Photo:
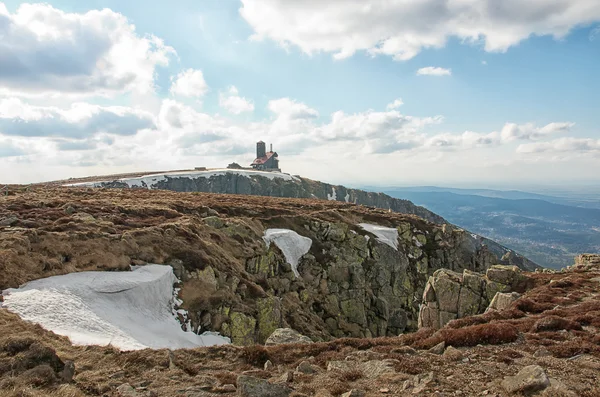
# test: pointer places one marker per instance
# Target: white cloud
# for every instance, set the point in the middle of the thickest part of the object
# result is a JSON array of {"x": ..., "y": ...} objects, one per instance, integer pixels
[
  {"x": 433, "y": 71},
  {"x": 402, "y": 29},
  {"x": 567, "y": 145},
  {"x": 512, "y": 132},
  {"x": 233, "y": 103},
  {"x": 466, "y": 140},
  {"x": 291, "y": 109},
  {"x": 395, "y": 105},
  {"x": 189, "y": 83},
  {"x": 45, "y": 51},
  {"x": 81, "y": 120},
  {"x": 484, "y": 63}
]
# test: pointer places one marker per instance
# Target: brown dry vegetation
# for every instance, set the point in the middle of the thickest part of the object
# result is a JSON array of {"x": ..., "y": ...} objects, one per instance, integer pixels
[{"x": 561, "y": 314}]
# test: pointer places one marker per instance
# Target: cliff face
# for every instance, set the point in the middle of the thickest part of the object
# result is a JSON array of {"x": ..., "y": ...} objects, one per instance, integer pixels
[
  {"x": 255, "y": 183},
  {"x": 362, "y": 274}
]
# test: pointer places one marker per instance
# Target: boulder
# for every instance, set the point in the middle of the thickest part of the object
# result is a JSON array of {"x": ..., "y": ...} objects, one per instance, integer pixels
[
  {"x": 438, "y": 349},
  {"x": 9, "y": 221},
  {"x": 248, "y": 386},
  {"x": 530, "y": 379},
  {"x": 285, "y": 336},
  {"x": 503, "y": 300}
]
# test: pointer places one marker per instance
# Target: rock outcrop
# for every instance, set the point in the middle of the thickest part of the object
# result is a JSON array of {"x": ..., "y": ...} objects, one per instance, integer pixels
[
  {"x": 449, "y": 295},
  {"x": 282, "y": 336},
  {"x": 284, "y": 185}
]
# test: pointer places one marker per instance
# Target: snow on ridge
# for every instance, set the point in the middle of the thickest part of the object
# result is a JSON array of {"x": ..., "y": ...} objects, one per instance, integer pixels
[
  {"x": 333, "y": 195},
  {"x": 150, "y": 181},
  {"x": 293, "y": 245},
  {"x": 129, "y": 310},
  {"x": 347, "y": 198},
  {"x": 385, "y": 235}
]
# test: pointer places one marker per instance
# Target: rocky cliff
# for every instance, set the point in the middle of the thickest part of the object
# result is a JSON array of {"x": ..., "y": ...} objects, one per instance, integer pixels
[
  {"x": 274, "y": 184},
  {"x": 362, "y": 272}
]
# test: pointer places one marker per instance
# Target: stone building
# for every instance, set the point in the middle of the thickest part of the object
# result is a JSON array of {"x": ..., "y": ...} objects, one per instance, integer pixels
[{"x": 265, "y": 161}]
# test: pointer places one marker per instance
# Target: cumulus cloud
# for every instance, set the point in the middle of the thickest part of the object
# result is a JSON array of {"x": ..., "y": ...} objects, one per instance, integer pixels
[
  {"x": 402, "y": 29},
  {"x": 79, "y": 121},
  {"x": 466, "y": 140},
  {"x": 291, "y": 109},
  {"x": 44, "y": 50},
  {"x": 512, "y": 132},
  {"x": 433, "y": 71},
  {"x": 567, "y": 145},
  {"x": 189, "y": 83},
  {"x": 233, "y": 103},
  {"x": 395, "y": 105}
]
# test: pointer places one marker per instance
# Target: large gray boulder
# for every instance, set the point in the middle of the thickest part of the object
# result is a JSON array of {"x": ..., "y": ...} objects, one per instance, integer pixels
[
  {"x": 248, "y": 386},
  {"x": 530, "y": 379},
  {"x": 285, "y": 336}
]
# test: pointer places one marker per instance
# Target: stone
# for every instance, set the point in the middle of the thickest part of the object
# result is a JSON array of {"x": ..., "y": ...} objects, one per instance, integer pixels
[
  {"x": 212, "y": 212},
  {"x": 339, "y": 366},
  {"x": 542, "y": 352},
  {"x": 447, "y": 289},
  {"x": 429, "y": 316},
  {"x": 429, "y": 293},
  {"x": 438, "y": 349},
  {"x": 83, "y": 217},
  {"x": 228, "y": 388},
  {"x": 469, "y": 303},
  {"x": 66, "y": 375},
  {"x": 126, "y": 390},
  {"x": 557, "y": 388},
  {"x": 354, "y": 310},
  {"x": 9, "y": 221},
  {"x": 214, "y": 221},
  {"x": 398, "y": 319},
  {"x": 306, "y": 368},
  {"x": 268, "y": 365},
  {"x": 286, "y": 335},
  {"x": 529, "y": 380},
  {"x": 507, "y": 275},
  {"x": 503, "y": 300},
  {"x": 248, "y": 386},
  {"x": 354, "y": 393},
  {"x": 375, "y": 368},
  {"x": 453, "y": 354}
]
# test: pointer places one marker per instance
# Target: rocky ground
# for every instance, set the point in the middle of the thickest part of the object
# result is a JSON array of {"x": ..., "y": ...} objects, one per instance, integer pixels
[{"x": 546, "y": 342}]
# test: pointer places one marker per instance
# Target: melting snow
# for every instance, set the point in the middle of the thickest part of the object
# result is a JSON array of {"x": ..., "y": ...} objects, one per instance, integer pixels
[
  {"x": 150, "y": 181},
  {"x": 333, "y": 195},
  {"x": 293, "y": 245},
  {"x": 129, "y": 310},
  {"x": 385, "y": 235}
]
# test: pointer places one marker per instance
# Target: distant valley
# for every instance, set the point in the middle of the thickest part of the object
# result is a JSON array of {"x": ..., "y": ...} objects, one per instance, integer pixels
[{"x": 547, "y": 229}]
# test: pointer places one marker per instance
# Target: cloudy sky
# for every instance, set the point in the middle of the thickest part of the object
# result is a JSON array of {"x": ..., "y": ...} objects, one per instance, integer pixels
[{"x": 400, "y": 92}]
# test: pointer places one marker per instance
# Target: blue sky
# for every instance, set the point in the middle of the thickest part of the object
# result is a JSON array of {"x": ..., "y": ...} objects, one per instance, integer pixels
[{"x": 515, "y": 99}]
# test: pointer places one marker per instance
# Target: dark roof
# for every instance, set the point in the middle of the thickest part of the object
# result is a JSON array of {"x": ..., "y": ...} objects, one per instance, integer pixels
[{"x": 262, "y": 160}]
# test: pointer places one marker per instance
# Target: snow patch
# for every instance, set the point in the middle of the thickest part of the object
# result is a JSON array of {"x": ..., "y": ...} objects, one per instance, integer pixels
[
  {"x": 293, "y": 245},
  {"x": 151, "y": 181},
  {"x": 347, "y": 198},
  {"x": 129, "y": 310},
  {"x": 333, "y": 195},
  {"x": 385, "y": 235}
]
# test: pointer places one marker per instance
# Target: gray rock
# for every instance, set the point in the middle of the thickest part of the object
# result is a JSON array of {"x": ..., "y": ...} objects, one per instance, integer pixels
[
  {"x": 354, "y": 393},
  {"x": 283, "y": 336},
  {"x": 68, "y": 371},
  {"x": 438, "y": 349},
  {"x": 248, "y": 386},
  {"x": 214, "y": 221},
  {"x": 306, "y": 368},
  {"x": 503, "y": 300},
  {"x": 529, "y": 380},
  {"x": 268, "y": 365},
  {"x": 9, "y": 221}
]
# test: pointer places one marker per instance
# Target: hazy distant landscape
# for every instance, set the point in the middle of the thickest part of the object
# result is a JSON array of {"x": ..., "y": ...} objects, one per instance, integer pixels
[{"x": 549, "y": 230}]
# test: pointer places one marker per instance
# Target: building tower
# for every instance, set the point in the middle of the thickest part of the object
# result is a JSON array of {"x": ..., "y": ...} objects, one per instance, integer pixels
[{"x": 261, "y": 149}]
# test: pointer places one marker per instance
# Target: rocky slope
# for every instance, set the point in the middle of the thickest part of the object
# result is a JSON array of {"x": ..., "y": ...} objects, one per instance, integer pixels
[
  {"x": 247, "y": 182},
  {"x": 353, "y": 281},
  {"x": 546, "y": 343}
]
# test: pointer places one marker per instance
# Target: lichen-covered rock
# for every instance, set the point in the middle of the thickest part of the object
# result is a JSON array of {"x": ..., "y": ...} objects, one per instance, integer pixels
[
  {"x": 248, "y": 386},
  {"x": 503, "y": 301},
  {"x": 286, "y": 335},
  {"x": 241, "y": 329},
  {"x": 450, "y": 295},
  {"x": 529, "y": 380}
]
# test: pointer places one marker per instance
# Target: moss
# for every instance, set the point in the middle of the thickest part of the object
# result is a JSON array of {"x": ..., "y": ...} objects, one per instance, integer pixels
[
  {"x": 269, "y": 317},
  {"x": 241, "y": 329}
]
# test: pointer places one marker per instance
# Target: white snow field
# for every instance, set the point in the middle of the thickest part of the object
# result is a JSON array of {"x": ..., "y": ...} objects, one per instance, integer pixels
[
  {"x": 385, "y": 235},
  {"x": 150, "y": 181},
  {"x": 129, "y": 310},
  {"x": 290, "y": 243}
]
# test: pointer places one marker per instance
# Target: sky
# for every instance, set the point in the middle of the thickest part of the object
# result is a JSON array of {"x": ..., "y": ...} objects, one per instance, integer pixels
[{"x": 399, "y": 92}]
